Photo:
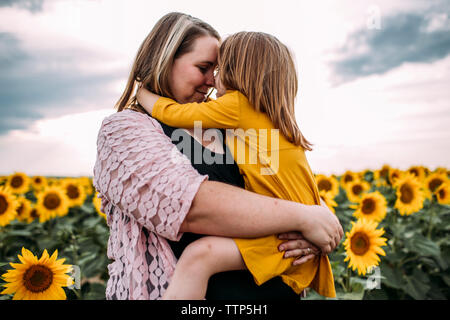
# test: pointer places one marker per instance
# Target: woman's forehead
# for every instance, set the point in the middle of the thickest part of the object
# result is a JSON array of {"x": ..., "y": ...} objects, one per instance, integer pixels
[{"x": 205, "y": 50}]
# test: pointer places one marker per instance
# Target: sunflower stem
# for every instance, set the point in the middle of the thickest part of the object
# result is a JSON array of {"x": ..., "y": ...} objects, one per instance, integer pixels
[
  {"x": 77, "y": 293},
  {"x": 430, "y": 221},
  {"x": 347, "y": 282}
]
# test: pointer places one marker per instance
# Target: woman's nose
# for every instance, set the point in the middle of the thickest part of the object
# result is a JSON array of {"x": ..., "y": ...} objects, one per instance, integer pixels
[{"x": 210, "y": 79}]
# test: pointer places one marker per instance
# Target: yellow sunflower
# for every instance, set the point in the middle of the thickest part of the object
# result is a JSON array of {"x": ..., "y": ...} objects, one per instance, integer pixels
[
  {"x": 327, "y": 184},
  {"x": 356, "y": 189},
  {"x": 409, "y": 194},
  {"x": 86, "y": 182},
  {"x": 35, "y": 279},
  {"x": 394, "y": 174},
  {"x": 329, "y": 200},
  {"x": 18, "y": 182},
  {"x": 74, "y": 191},
  {"x": 362, "y": 174},
  {"x": 418, "y": 172},
  {"x": 372, "y": 206},
  {"x": 53, "y": 181},
  {"x": 432, "y": 183},
  {"x": 38, "y": 182},
  {"x": 8, "y": 206},
  {"x": 363, "y": 245},
  {"x": 383, "y": 173},
  {"x": 23, "y": 209},
  {"x": 34, "y": 214},
  {"x": 52, "y": 202},
  {"x": 443, "y": 193},
  {"x": 440, "y": 170},
  {"x": 348, "y": 177},
  {"x": 98, "y": 204}
]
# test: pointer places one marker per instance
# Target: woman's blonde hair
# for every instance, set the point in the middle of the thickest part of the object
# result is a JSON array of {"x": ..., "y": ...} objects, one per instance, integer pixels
[
  {"x": 261, "y": 67},
  {"x": 172, "y": 36}
]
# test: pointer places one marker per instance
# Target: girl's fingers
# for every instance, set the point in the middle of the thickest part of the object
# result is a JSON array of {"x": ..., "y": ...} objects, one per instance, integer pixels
[
  {"x": 294, "y": 244},
  {"x": 295, "y": 253},
  {"x": 303, "y": 259}
]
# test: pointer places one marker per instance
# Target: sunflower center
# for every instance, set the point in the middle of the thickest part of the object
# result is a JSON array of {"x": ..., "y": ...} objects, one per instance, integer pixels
[
  {"x": 384, "y": 173},
  {"x": 16, "y": 182},
  {"x": 441, "y": 194},
  {"x": 38, "y": 278},
  {"x": 434, "y": 184},
  {"x": 73, "y": 192},
  {"x": 348, "y": 178},
  {"x": 360, "y": 243},
  {"x": 414, "y": 172},
  {"x": 37, "y": 180},
  {"x": 52, "y": 201},
  {"x": 20, "y": 209},
  {"x": 34, "y": 213},
  {"x": 357, "y": 189},
  {"x": 3, "y": 204},
  {"x": 407, "y": 195},
  {"x": 324, "y": 185},
  {"x": 394, "y": 176},
  {"x": 368, "y": 206}
]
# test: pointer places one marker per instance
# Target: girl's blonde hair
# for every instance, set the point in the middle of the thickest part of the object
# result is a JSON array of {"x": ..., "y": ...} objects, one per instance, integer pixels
[
  {"x": 261, "y": 67},
  {"x": 172, "y": 36}
]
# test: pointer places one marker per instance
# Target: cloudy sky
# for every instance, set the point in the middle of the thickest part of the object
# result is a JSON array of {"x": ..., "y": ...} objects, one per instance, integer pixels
[{"x": 374, "y": 76}]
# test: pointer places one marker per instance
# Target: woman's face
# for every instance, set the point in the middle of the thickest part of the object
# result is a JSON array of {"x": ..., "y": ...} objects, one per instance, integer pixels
[{"x": 193, "y": 73}]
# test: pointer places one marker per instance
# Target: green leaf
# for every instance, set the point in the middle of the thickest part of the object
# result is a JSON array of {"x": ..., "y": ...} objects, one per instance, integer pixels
[
  {"x": 351, "y": 296},
  {"x": 423, "y": 246},
  {"x": 416, "y": 289},
  {"x": 91, "y": 222},
  {"x": 376, "y": 294},
  {"x": 392, "y": 277},
  {"x": 96, "y": 291},
  {"x": 20, "y": 233},
  {"x": 446, "y": 279}
]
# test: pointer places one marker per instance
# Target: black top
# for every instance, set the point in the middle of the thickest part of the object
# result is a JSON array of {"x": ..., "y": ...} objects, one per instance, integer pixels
[{"x": 221, "y": 167}]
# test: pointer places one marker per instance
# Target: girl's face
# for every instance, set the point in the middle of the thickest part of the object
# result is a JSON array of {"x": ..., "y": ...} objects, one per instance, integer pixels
[{"x": 192, "y": 74}]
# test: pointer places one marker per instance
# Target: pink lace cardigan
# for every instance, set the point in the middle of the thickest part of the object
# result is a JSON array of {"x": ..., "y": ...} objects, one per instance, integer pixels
[{"x": 147, "y": 187}]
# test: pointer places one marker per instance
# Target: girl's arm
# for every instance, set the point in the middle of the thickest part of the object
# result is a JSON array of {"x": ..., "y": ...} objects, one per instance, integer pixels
[
  {"x": 220, "y": 113},
  {"x": 223, "y": 210}
]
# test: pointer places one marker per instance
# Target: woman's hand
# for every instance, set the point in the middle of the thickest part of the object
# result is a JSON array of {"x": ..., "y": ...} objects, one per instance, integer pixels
[
  {"x": 146, "y": 99},
  {"x": 297, "y": 246},
  {"x": 321, "y": 227}
]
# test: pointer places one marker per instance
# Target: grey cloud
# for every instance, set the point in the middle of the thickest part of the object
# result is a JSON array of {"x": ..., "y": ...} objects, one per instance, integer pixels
[
  {"x": 402, "y": 38},
  {"x": 34, "y": 84},
  {"x": 30, "y": 5}
]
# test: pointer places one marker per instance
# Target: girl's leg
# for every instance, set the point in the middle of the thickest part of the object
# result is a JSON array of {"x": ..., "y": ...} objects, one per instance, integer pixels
[{"x": 198, "y": 262}]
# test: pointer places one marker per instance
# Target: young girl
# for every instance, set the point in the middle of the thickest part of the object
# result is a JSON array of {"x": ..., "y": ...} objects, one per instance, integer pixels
[{"x": 256, "y": 88}]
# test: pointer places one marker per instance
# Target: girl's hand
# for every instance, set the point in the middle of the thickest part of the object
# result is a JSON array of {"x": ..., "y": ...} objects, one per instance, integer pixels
[{"x": 297, "y": 246}]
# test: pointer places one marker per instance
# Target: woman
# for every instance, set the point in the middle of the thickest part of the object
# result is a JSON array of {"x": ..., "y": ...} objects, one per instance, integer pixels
[{"x": 152, "y": 194}]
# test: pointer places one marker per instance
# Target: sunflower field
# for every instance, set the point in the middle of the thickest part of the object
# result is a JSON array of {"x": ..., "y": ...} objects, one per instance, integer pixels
[{"x": 396, "y": 243}]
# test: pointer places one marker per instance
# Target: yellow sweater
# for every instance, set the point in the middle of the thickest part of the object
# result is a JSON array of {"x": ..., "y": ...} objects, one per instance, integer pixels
[{"x": 271, "y": 166}]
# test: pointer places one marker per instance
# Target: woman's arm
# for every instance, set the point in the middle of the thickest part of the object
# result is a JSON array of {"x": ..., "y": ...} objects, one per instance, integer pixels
[{"x": 223, "y": 210}]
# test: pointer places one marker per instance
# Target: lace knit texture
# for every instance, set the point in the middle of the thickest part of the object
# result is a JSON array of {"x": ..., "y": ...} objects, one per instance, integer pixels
[{"x": 147, "y": 187}]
